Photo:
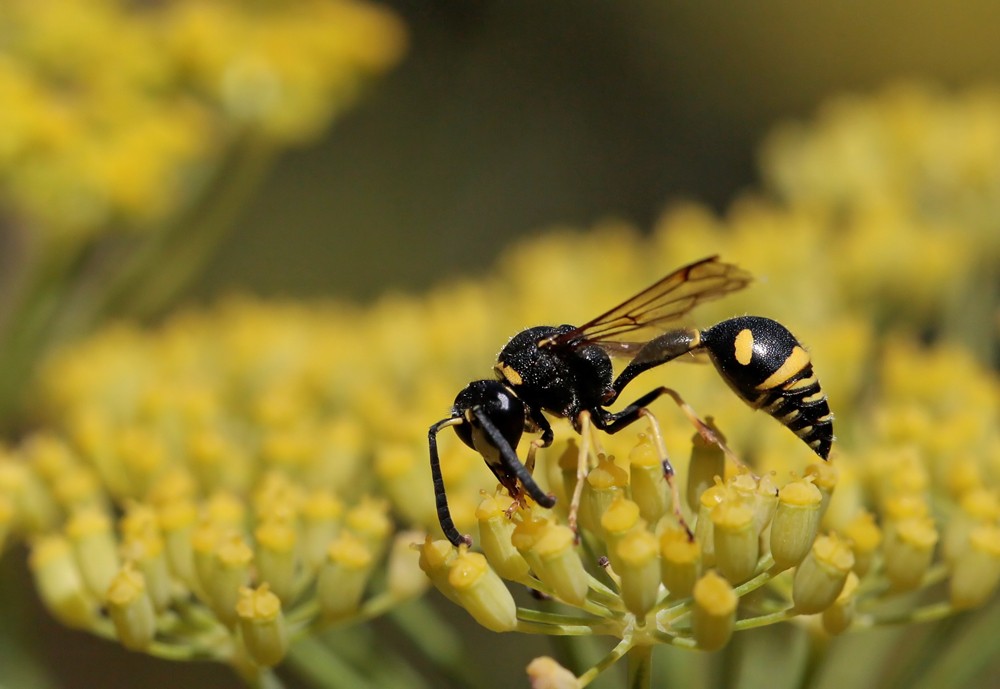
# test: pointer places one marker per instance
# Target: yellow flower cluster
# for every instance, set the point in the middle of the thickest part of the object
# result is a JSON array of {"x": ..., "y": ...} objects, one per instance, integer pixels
[
  {"x": 858, "y": 531},
  {"x": 247, "y": 413},
  {"x": 114, "y": 110},
  {"x": 914, "y": 161},
  {"x": 204, "y": 490}
]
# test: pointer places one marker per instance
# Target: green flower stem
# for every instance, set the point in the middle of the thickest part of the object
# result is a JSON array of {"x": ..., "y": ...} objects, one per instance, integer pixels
[
  {"x": 673, "y": 640},
  {"x": 640, "y": 667},
  {"x": 607, "y": 661},
  {"x": 766, "y": 571},
  {"x": 764, "y": 620},
  {"x": 313, "y": 661},
  {"x": 265, "y": 679},
  {"x": 590, "y": 605},
  {"x": 543, "y": 617},
  {"x": 529, "y": 627},
  {"x": 152, "y": 273},
  {"x": 435, "y": 639},
  {"x": 25, "y": 334},
  {"x": 926, "y": 613},
  {"x": 971, "y": 649}
]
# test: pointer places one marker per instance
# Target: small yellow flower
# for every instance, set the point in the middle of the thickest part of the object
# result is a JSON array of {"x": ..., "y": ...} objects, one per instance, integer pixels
[
  {"x": 131, "y": 609},
  {"x": 262, "y": 625},
  {"x": 714, "y": 612}
]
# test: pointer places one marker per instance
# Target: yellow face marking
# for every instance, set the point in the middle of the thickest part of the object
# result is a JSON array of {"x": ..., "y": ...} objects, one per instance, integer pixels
[
  {"x": 743, "y": 346},
  {"x": 795, "y": 362},
  {"x": 508, "y": 374}
]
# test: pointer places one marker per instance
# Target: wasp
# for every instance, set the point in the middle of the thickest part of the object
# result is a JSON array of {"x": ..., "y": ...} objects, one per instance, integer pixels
[{"x": 566, "y": 371}]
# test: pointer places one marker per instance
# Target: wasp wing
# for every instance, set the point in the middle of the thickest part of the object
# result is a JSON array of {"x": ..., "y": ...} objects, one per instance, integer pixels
[{"x": 659, "y": 304}]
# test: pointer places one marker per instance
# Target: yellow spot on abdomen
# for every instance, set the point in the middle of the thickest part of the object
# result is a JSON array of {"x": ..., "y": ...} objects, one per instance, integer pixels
[
  {"x": 795, "y": 362},
  {"x": 743, "y": 346}
]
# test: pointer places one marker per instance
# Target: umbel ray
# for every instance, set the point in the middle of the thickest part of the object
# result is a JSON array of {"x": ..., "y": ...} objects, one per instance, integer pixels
[{"x": 566, "y": 371}]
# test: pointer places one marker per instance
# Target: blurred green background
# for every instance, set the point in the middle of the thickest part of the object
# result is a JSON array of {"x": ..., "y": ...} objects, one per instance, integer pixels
[
  {"x": 512, "y": 116},
  {"x": 509, "y": 117}
]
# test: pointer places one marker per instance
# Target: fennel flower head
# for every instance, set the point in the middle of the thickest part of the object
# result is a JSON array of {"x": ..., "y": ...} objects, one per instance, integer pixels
[
  {"x": 224, "y": 427},
  {"x": 201, "y": 496},
  {"x": 894, "y": 294},
  {"x": 118, "y": 114}
]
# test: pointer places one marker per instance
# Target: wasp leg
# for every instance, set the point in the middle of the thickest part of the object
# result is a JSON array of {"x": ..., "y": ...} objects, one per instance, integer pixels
[
  {"x": 510, "y": 463},
  {"x": 538, "y": 418},
  {"x": 584, "y": 420},
  {"x": 440, "y": 497},
  {"x": 668, "y": 470},
  {"x": 614, "y": 422},
  {"x": 543, "y": 425}
]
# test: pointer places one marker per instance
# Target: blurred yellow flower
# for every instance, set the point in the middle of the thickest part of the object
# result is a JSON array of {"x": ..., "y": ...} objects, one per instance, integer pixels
[{"x": 116, "y": 113}]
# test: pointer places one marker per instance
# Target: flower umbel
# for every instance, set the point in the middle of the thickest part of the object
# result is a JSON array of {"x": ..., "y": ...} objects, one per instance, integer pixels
[
  {"x": 206, "y": 497},
  {"x": 212, "y": 473}
]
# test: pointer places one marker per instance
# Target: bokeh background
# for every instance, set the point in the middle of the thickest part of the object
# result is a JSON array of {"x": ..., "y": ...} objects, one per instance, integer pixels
[
  {"x": 509, "y": 117},
  {"x": 506, "y": 118}
]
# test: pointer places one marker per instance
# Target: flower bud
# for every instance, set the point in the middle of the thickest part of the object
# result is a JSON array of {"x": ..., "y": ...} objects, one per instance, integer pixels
[
  {"x": 370, "y": 520},
  {"x": 177, "y": 521},
  {"x": 603, "y": 484},
  {"x": 908, "y": 551},
  {"x": 735, "y": 538},
  {"x": 795, "y": 523},
  {"x": 619, "y": 520},
  {"x": 550, "y": 551},
  {"x": 131, "y": 609},
  {"x": 714, "y": 614},
  {"x": 704, "y": 530},
  {"x": 262, "y": 625},
  {"x": 95, "y": 548},
  {"x": 647, "y": 485},
  {"x": 276, "y": 555},
  {"x": 144, "y": 549},
  {"x": 708, "y": 462},
  {"x": 321, "y": 513},
  {"x": 342, "y": 580},
  {"x": 435, "y": 556},
  {"x": 33, "y": 508},
  {"x": 403, "y": 575},
  {"x": 495, "y": 531},
  {"x": 639, "y": 568},
  {"x": 60, "y": 584},
  {"x": 680, "y": 562},
  {"x": 481, "y": 592},
  {"x": 824, "y": 476},
  {"x": 820, "y": 577},
  {"x": 546, "y": 673},
  {"x": 232, "y": 558},
  {"x": 865, "y": 538},
  {"x": 839, "y": 616},
  {"x": 976, "y": 571},
  {"x": 765, "y": 502},
  {"x": 978, "y": 506}
]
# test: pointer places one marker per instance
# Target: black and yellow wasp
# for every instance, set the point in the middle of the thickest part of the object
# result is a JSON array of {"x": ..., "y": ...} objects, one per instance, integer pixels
[{"x": 566, "y": 371}]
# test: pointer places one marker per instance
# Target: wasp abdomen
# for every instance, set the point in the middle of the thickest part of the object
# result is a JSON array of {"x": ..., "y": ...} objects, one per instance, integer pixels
[{"x": 769, "y": 369}]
